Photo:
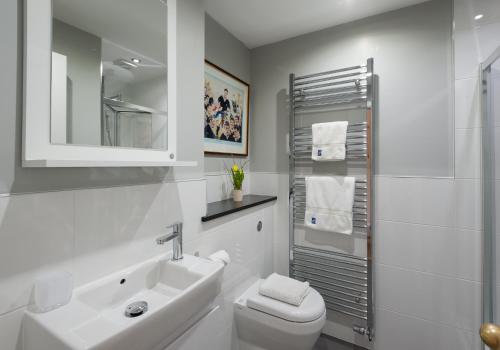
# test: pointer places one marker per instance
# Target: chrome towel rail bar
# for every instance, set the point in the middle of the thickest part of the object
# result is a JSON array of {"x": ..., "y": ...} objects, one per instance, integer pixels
[
  {"x": 344, "y": 280},
  {"x": 334, "y": 91},
  {"x": 356, "y": 82},
  {"x": 345, "y": 294},
  {"x": 360, "y": 75},
  {"x": 329, "y": 72}
]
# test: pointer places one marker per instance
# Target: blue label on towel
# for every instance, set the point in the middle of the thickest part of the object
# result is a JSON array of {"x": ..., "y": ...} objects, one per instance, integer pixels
[
  {"x": 313, "y": 221},
  {"x": 319, "y": 153}
]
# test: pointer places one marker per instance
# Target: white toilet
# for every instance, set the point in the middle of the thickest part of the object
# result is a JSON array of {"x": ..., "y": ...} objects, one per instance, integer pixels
[{"x": 266, "y": 324}]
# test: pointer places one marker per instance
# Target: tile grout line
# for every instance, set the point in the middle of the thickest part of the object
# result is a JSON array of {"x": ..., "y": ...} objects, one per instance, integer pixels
[
  {"x": 433, "y": 274},
  {"x": 425, "y": 320}
]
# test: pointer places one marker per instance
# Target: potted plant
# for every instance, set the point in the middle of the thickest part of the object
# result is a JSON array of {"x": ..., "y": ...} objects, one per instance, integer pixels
[{"x": 237, "y": 175}]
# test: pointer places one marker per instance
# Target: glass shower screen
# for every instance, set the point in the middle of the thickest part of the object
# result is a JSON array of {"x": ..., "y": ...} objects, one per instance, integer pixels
[{"x": 490, "y": 107}]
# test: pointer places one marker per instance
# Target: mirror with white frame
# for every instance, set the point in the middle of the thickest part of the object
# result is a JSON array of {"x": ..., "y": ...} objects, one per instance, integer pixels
[
  {"x": 109, "y": 73},
  {"x": 100, "y": 83}
]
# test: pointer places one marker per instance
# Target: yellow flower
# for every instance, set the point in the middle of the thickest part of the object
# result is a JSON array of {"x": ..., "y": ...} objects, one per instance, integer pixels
[{"x": 235, "y": 168}]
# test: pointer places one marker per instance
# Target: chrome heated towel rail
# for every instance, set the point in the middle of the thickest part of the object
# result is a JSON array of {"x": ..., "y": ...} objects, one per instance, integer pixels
[{"x": 343, "y": 279}]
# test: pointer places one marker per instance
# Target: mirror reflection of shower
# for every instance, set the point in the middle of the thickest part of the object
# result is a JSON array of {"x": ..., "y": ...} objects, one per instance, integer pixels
[
  {"x": 128, "y": 86},
  {"x": 109, "y": 84},
  {"x": 129, "y": 125}
]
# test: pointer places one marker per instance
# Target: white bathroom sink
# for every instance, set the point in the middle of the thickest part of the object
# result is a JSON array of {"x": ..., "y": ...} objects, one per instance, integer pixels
[{"x": 176, "y": 293}]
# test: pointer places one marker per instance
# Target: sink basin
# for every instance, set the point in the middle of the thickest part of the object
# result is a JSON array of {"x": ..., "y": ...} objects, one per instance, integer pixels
[{"x": 176, "y": 293}]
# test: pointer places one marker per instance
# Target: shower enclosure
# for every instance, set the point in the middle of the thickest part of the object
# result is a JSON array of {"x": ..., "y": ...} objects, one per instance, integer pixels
[
  {"x": 127, "y": 125},
  {"x": 490, "y": 108}
]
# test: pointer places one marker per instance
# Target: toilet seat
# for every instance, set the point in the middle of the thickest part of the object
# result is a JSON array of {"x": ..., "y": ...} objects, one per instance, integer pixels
[
  {"x": 263, "y": 323},
  {"x": 311, "y": 308}
]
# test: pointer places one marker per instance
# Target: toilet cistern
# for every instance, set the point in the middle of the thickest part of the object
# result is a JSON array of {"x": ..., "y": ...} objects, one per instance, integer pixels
[{"x": 175, "y": 237}]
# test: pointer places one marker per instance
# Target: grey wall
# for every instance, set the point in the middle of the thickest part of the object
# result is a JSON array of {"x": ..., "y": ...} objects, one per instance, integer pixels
[
  {"x": 83, "y": 52},
  {"x": 227, "y": 52},
  {"x": 412, "y": 52},
  {"x": 15, "y": 179}
]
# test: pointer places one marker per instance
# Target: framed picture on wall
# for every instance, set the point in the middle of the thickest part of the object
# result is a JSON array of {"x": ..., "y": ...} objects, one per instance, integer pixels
[{"x": 226, "y": 112}]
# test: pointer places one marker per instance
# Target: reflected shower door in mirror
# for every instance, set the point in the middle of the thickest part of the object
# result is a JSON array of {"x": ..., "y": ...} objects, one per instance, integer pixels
[{"x": 109, "y": 73}]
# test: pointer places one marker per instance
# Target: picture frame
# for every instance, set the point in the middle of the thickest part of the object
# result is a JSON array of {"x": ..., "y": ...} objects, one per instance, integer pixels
[{"x": 226, "y": 116}]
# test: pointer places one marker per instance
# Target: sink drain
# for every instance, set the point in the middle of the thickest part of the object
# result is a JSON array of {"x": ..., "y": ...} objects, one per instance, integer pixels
[{"x": 136, "y": 309}]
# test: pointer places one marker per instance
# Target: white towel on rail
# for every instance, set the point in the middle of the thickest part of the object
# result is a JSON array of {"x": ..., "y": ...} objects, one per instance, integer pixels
[
  {"x": 284, "y": 289},
  {"x": 329, "y": 141},
  {"x": 329, "y": 203}
]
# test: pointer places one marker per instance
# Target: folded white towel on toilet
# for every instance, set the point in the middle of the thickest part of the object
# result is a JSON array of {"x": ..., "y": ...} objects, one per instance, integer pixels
[
  {"x": 284, "y": 289},
  {"x": 329, "y": 203},
  {"x": 328, "y": 141}
]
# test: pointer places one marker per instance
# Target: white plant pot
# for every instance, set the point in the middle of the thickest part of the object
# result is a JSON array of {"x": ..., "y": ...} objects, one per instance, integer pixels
[{"x": 237, "y": 195}]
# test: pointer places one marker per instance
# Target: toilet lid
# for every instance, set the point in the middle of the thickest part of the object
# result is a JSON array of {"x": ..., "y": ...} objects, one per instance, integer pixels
[{"x": 311, "y": 308}]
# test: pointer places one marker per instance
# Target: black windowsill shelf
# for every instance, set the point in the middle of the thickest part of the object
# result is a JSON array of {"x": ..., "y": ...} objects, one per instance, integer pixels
[{"x": 228, "y": 206}]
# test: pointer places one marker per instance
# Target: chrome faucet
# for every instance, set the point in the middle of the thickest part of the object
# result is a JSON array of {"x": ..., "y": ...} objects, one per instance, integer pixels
[{"x": 175, "y": 237}]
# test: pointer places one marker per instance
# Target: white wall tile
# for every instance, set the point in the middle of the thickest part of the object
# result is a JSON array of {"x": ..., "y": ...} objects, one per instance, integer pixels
[
  {"x": 415, "y": 200},
  {"x": 398, "y": 332},
  {"x": 436, "y": 249},
  {"x": 467, "y": 53},
  {"x": 281, "y": 228},
  {"x": 451, "y": 301},
  {"x": 36, "y": 232},
  {"x": 429, "y": 201},
  {"x": 276, "y": 184},
  {"x": 467, "y": 98},
  {"x": 117, "y": 227},
  {"x": 266, "y": 183},
  {"x": 237, "y": 234},
  {"x": 219, "y": 186},
  {"x": 468, "y": 204},
  {"x": 188, "y": 196},
  {"x": 468, "y": 153}
]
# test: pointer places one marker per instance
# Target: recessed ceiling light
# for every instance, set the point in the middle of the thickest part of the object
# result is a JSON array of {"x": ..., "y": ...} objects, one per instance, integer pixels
[
  {"x": 478, "y": 17},
  {"x": 136, "y": 60}
]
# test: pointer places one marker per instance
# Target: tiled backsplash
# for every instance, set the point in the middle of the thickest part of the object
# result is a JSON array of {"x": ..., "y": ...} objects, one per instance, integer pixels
[{"x": 97, "y": 231}]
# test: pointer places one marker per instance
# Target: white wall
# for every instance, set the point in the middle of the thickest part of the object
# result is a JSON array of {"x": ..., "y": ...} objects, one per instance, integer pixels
[
  {"x": 15, "y": 179},
  {"x": 427, "y": 234},
  {"x": 93, "y": 232},
  {"x": 427, "y": 229},
  {"x": 88, "y": 222},
  {"x": 475, "y": 41},
  {"x": 412, "y": 51}
]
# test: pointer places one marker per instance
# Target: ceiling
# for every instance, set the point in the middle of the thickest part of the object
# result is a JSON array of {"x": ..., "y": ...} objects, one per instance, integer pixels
[{"x": 261, "y": 22}]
